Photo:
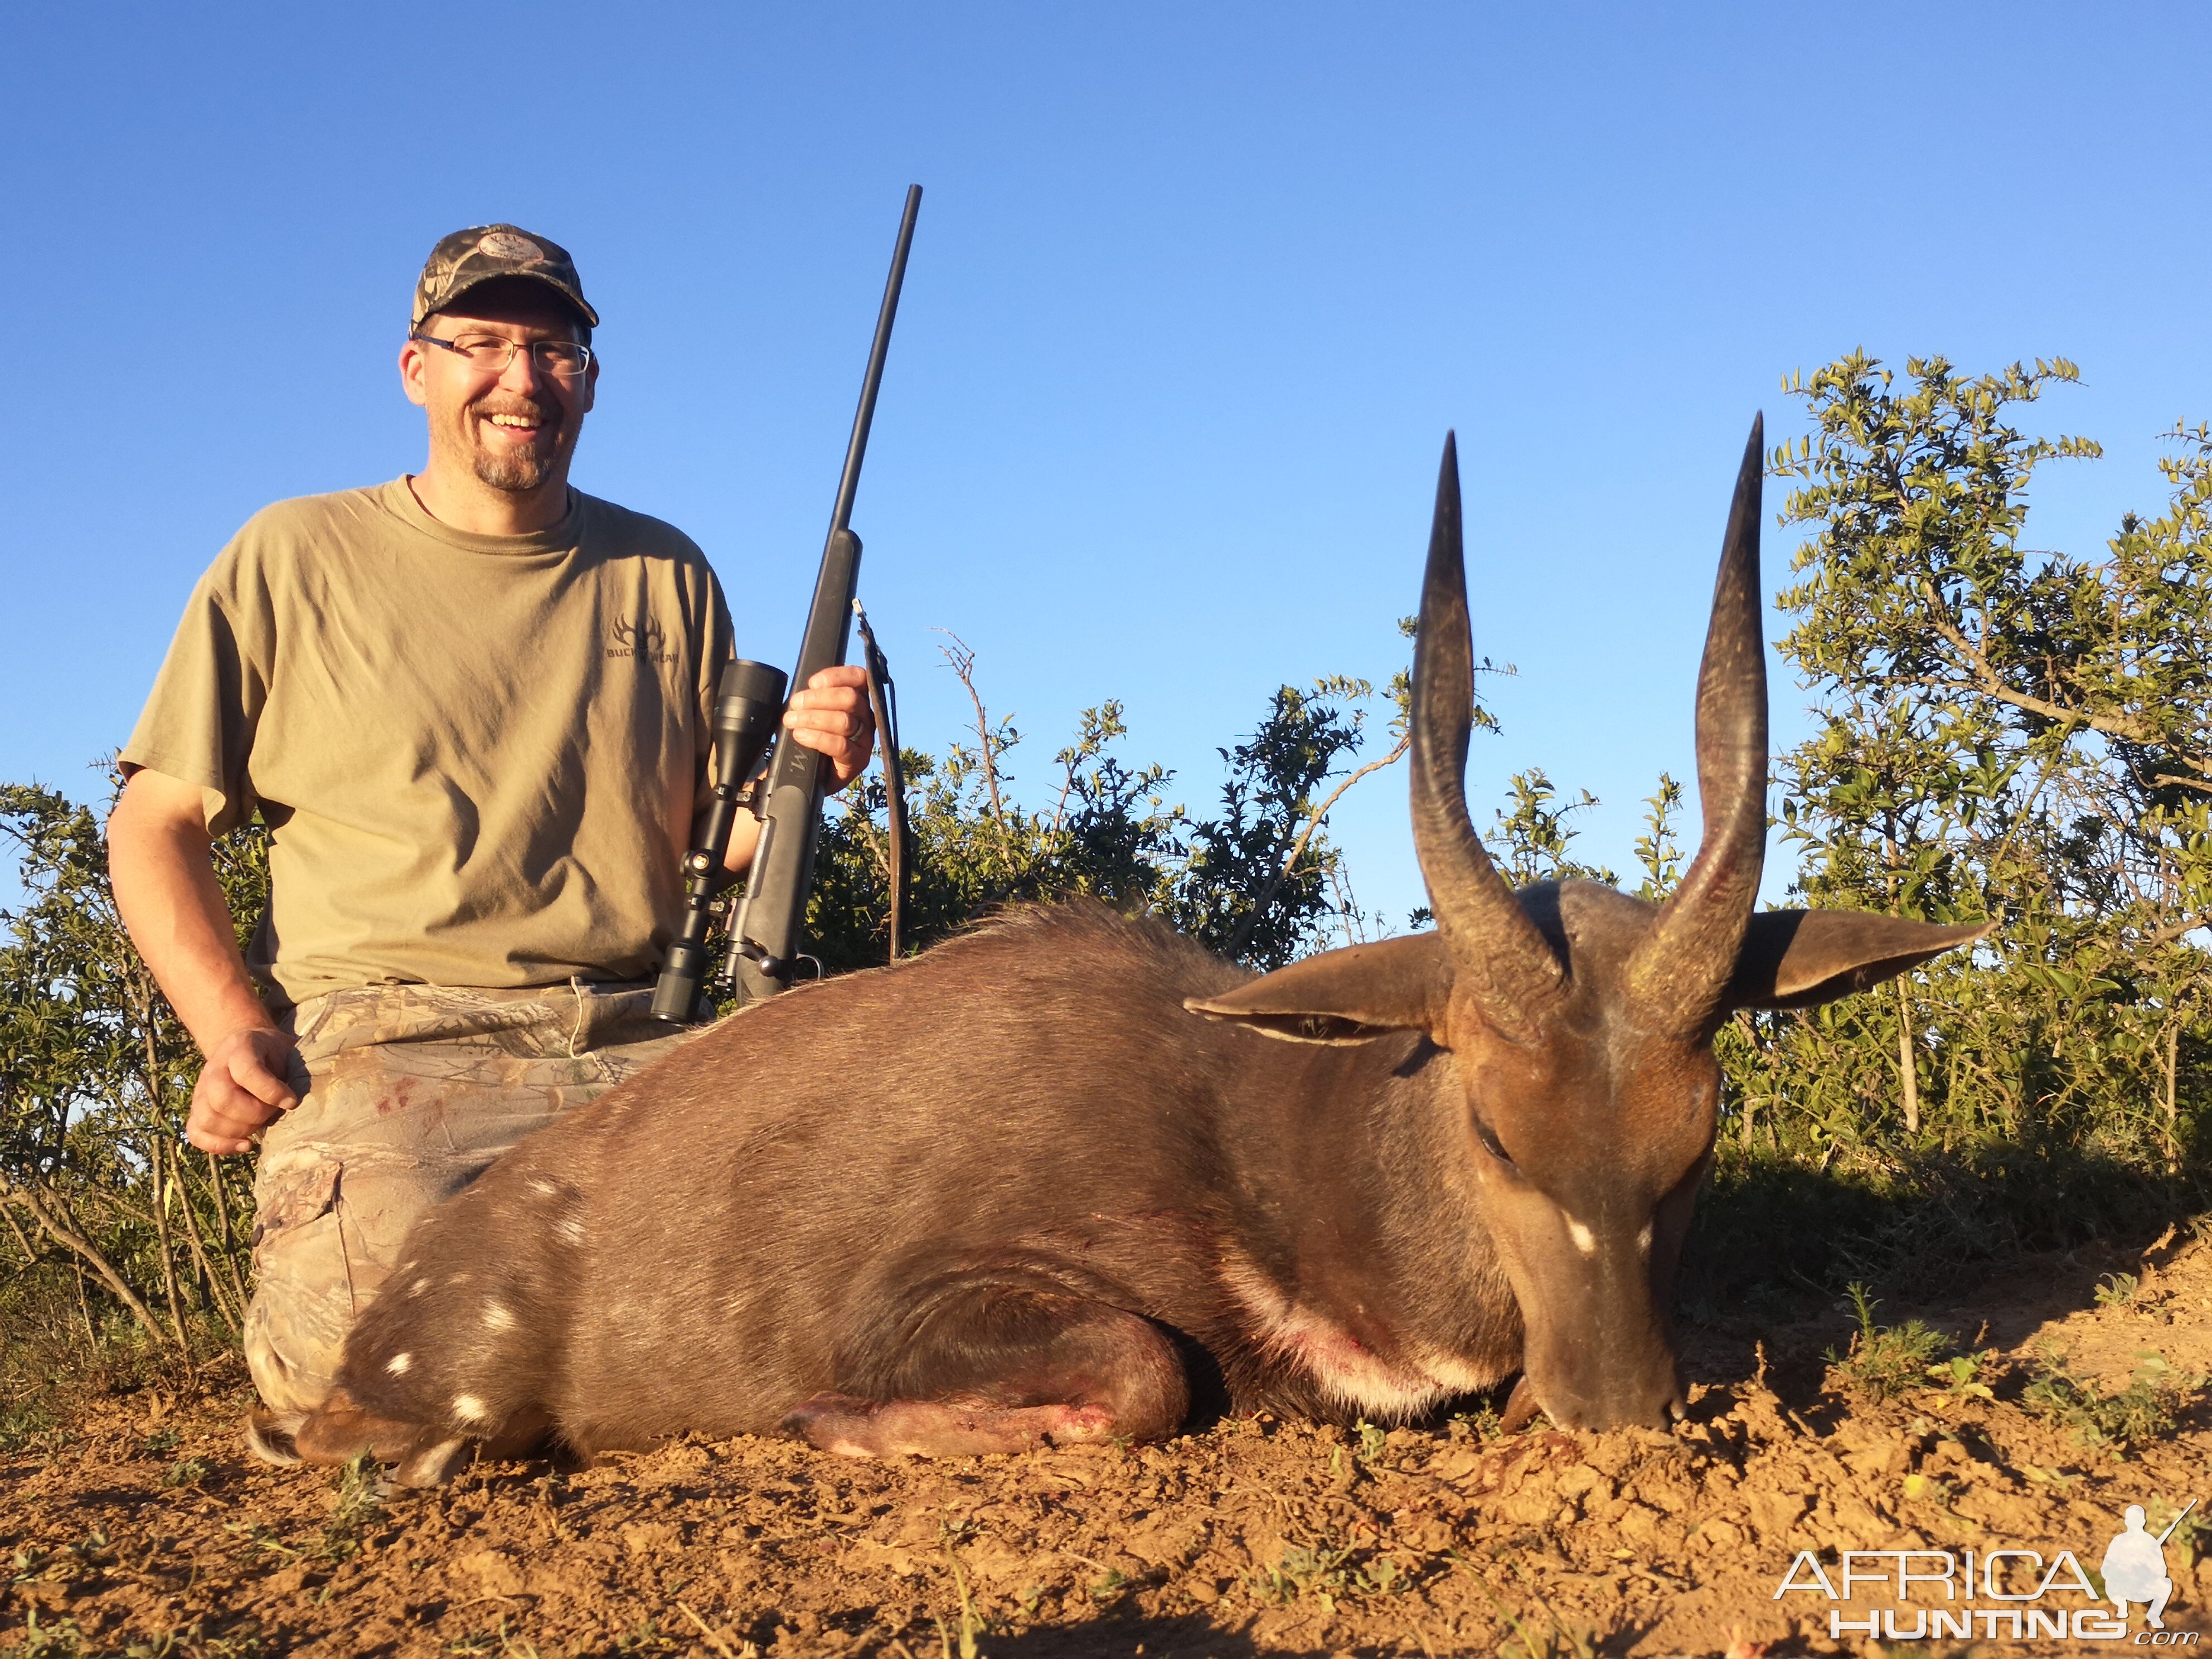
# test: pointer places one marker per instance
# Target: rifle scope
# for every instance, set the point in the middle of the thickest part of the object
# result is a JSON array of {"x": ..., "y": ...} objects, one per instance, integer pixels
[{"x": 747, "y": 706}]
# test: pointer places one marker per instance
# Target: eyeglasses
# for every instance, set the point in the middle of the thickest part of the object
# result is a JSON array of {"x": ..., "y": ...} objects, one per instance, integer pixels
[{"x": 491, "y": 354}]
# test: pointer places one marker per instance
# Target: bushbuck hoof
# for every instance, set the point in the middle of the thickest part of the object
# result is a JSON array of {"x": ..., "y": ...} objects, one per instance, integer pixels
[
  {"x": 849, "y": 1427},
  {"x": 337, "y": 1431},
  {"x": 1522, "y": 1408},
  {"x": 269, "y": 1437}
]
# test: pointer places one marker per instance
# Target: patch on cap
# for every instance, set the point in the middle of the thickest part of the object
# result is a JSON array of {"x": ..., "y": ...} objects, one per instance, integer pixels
[{"x": 509, "y": 245}]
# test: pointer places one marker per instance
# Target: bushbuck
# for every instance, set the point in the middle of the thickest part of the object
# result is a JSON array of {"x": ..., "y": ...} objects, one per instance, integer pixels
[{"x": 1069, "y": 1176}]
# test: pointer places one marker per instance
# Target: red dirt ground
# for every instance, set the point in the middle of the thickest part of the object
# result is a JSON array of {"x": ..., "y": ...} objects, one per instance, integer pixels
[{"x": 144, "y": 1530}]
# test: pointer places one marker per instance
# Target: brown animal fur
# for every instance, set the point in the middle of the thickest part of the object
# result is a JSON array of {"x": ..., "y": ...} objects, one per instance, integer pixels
[{"x": 660, "y": 1267}]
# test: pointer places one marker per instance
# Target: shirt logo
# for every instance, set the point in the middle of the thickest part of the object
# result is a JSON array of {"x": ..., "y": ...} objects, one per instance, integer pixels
[{"x": 644, "y": 640}]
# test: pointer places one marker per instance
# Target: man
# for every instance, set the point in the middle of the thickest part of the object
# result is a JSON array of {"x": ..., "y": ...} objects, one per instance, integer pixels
[{"x": 473, "y": 705}]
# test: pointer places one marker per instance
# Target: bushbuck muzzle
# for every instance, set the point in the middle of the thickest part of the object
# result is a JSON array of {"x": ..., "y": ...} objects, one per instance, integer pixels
[{"x": 1050, "y": 1182}]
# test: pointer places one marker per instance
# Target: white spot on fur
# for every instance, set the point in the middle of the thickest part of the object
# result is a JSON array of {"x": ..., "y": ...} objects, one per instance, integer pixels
[
  {"x": 571, "y": 1231},
  {"x": 1585, "y": 1240},
  {"x": 467, "y": 1409},
  {"x": 543, "y": 1187},
  {"x": 1643, "y": 1239},
  {"x": 459, "y": 1279},
  {"x": 497, "y": 1318},
  {"x": 418, "y": 1287},
  {"x": 399, "y": 1363}
]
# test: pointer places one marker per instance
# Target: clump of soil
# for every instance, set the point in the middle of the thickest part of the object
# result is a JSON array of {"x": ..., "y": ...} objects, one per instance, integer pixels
[{"x": 145, "y": 1530}]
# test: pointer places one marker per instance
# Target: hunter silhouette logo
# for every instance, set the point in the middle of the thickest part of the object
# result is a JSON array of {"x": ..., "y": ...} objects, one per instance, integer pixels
[
  {"x": 644, "y": 639},
  {"x": 2023, "y": 1598},
  {"x": 2134, "y": 1566}
]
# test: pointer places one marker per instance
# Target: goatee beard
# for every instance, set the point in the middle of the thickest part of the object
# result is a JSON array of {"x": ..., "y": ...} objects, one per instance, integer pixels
[
  {"x": 517, "y": 472},
  {"x": 521, "y": 470}
]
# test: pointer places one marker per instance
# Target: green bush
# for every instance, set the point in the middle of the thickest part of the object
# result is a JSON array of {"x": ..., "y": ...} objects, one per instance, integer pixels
[
  {"x": 2150, "y": 1407},
  {"x": 1884, "y": 1360}
]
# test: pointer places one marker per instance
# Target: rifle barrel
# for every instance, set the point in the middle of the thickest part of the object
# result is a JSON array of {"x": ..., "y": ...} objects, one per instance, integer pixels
[
  {"x": 2176, "y": 1521},
  {"x": 762, "y": 952},
  {"x": 848, "y": 483}
]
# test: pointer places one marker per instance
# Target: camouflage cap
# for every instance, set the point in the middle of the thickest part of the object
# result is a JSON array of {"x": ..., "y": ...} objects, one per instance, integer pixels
[{"x": 482, "y": 253}]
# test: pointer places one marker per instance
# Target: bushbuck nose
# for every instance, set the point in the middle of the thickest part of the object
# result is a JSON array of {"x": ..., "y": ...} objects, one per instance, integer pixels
[
  {"x": 1651, "y": 1398},
  {"x": 1601, "y": 1361},
  {"x": 1652, "y": 1401}
]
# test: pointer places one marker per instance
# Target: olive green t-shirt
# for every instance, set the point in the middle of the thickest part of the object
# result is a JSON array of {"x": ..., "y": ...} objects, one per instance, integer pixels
[{"x": 476, "y": 755}]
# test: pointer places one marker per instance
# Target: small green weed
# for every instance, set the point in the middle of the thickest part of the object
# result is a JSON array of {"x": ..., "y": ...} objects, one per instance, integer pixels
[
  {"x": 184, "y": 1472},
  {"x": 1373, "y": 1442},
  {"x": 972, "y": 1624},
  {"x": 2148, "y": 1408},
  {"x": 1960, "y": 1375},
  {"x": 32, "y": 1427},
  {"x": 2117, "y": 1290},
  {"x": 1327, "y": 1576},
  {"x": 1885, "y": 1360},
  {"x": 1558, "y": 1641},
  {"x": 193, "y": 1641},
  {"x": 1319, "y": 1573},
  {"x": 260, "y": 1539},
  {"x": 1481, "y": 1423},
  {"x": 1382, "y": 1576},
  {"x": 61, "y": 1641},
  {"x": 356, "y": 1505}
]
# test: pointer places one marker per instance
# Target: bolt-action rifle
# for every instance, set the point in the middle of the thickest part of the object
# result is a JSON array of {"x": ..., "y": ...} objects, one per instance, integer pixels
[{"x": 763, "y": 935}]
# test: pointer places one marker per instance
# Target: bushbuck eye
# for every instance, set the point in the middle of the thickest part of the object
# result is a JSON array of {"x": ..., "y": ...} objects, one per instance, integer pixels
[{"x": 1490, "y": 1143}]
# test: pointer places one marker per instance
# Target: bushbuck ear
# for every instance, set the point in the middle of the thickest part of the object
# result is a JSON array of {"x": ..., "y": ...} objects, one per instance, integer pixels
[
  {"x": 1796, "y": 959},
  {"x": 1353, "y": 995}
]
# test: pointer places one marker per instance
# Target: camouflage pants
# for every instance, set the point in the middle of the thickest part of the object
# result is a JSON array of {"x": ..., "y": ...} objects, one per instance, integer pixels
[{"x": 413, "y": 1090}]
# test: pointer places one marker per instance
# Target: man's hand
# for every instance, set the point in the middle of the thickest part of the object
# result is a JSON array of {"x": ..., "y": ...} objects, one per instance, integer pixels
[
  {"x": 831, "y": 717},
  {"x": 247, "y": 1082},
  {"x": 159, "y": 863}
]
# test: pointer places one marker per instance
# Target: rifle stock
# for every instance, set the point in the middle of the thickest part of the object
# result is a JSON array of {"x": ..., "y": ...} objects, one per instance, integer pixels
[{"x": 764, "y": 938}]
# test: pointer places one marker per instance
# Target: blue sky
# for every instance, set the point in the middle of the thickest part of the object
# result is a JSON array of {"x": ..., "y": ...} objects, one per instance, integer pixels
[{"x": 1197, "y": 290}]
